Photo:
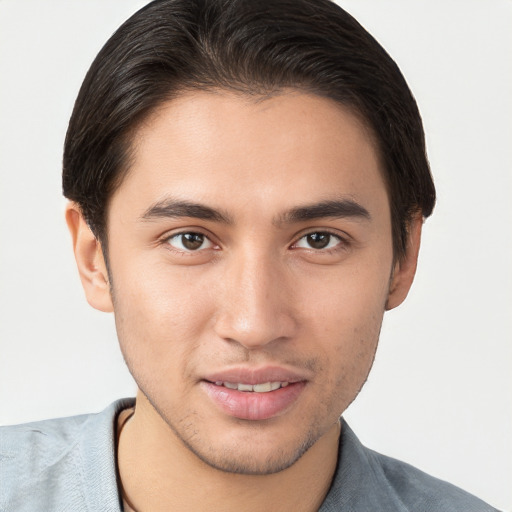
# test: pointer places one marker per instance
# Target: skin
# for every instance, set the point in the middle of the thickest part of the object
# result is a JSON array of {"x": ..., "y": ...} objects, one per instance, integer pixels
[{"x": 254, "y": 293}]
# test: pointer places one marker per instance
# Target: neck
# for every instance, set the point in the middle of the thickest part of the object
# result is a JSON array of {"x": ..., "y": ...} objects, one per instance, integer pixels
[{"x": 158, "y": 473}]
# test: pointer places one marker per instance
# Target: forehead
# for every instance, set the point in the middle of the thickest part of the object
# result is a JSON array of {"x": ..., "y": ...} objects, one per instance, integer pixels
[{"x": 235, "y": 150}]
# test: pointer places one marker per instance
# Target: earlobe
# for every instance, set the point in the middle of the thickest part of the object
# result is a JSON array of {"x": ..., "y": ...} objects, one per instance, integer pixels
[
  {"x": 89, "y": 259},
  {"x": 405, "y": 269}
]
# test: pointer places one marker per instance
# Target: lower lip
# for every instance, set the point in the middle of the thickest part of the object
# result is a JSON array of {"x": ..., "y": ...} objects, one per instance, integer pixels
[{"x": 246, "y": 405}]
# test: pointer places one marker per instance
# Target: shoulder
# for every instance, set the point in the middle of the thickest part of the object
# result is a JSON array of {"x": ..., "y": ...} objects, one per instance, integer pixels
[
  {"x": 37, "y": 440},
  {"x": 421, "y": 491},
  {"x": 44, "y": 465},
  {"x": 367, "y": 480},
  {"x": 39, "y": 462}
]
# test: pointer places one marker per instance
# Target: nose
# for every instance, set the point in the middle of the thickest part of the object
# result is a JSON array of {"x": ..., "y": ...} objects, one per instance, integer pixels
[{"x": 255, "y": 305}]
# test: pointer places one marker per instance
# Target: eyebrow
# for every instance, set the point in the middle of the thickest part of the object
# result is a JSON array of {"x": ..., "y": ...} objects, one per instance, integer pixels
[
  {"x": 334, "y": 209},
  {"x": 172, "y": 208}
]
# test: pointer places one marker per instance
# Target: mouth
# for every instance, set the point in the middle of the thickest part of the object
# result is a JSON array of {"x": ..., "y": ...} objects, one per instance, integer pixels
[
  {"x": 254, "y": 394},
  {"x": 261, "y": 379},
  {"x": 264, "y": 387}
]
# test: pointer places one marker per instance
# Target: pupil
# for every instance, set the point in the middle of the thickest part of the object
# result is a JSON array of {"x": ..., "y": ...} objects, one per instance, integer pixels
[
  {"x": 192, "y": 241},
  {"x": 319, "y": 240}
]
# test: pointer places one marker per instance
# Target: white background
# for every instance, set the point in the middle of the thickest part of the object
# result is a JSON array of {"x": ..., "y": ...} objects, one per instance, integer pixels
[{"x": 440, "y": 395}]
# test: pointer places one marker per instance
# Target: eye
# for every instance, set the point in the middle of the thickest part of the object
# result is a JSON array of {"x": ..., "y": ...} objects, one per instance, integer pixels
[
  {"x": 318, "y": 241},
  {"x": 190, "y": 242}
]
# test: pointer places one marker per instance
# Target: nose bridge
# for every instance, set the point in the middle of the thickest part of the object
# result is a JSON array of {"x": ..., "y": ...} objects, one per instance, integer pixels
[{"x": 255, "y": 307}]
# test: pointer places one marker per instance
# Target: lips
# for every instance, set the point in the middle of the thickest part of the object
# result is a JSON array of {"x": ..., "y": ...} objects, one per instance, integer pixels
[
  {"x": 264, "y": 387},
  {"x": 260, "y": 375},
  {"x": 254, "y": 394}
]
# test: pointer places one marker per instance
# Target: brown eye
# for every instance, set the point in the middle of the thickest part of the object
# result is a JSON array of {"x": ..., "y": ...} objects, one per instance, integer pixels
[
  {"x": 318, "y": 240},
  {"x": 188, "y": 242},
  {"x": 192, "y": 241}
]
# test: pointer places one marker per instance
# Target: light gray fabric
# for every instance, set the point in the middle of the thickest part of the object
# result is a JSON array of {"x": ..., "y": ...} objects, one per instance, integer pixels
[
  {"x": 367, "y": 481},
  {"x": 58, "y": 465},
  {"x": 69, "y": 465}
]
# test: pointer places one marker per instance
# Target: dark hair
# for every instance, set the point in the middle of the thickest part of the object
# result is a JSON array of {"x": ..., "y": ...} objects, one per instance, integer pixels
[{"x": 254, "y": 47}]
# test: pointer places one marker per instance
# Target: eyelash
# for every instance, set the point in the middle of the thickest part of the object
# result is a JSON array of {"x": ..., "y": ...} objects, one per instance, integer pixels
[
  {"x": 167, "y": 238},
  {"x": 342, "y": 244}
]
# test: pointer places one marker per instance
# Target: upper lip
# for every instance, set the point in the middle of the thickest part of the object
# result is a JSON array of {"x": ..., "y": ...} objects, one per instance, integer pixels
[{"x": 257, "y": 375}]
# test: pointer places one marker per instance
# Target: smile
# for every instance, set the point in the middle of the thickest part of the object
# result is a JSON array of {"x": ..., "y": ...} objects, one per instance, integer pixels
[
  {"x": 264, "y": 387},
  {"x": 253, "y": 401}
]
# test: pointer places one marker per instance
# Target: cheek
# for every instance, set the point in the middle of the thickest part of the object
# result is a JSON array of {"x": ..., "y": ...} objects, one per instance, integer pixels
[
  {"x": 351, "y": 302},
  {"x": 160, "y": 316},
  {"x": 346, "y": 322},
  {"x": 170, "y": 297}
]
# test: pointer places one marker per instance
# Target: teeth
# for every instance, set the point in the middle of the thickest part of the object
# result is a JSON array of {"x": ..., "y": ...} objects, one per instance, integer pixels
[
  {"x": 262, "y": 388},
  {"x": 265, "y": 387}
]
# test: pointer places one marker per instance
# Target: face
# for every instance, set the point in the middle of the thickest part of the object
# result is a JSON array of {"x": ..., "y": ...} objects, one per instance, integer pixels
[{"x": 250, "y": 257}]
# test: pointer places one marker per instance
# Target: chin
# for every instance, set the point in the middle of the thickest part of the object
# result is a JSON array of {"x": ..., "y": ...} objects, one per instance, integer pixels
[
  {"x": 255, "y": 451},
  {"x": 255, "y": 461}
]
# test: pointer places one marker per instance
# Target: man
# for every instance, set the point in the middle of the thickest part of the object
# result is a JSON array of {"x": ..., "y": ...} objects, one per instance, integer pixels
[{"x": 247, "y": 186}]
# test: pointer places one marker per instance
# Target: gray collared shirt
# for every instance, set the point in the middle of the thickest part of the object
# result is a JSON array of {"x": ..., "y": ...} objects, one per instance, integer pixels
[{"x": 69, "y": 464}]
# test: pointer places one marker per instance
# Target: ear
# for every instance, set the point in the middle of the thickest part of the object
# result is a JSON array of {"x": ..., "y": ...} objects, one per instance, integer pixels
[
  {"x": 405, "y": 269},
  {"x": 89, "y": 259}
]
